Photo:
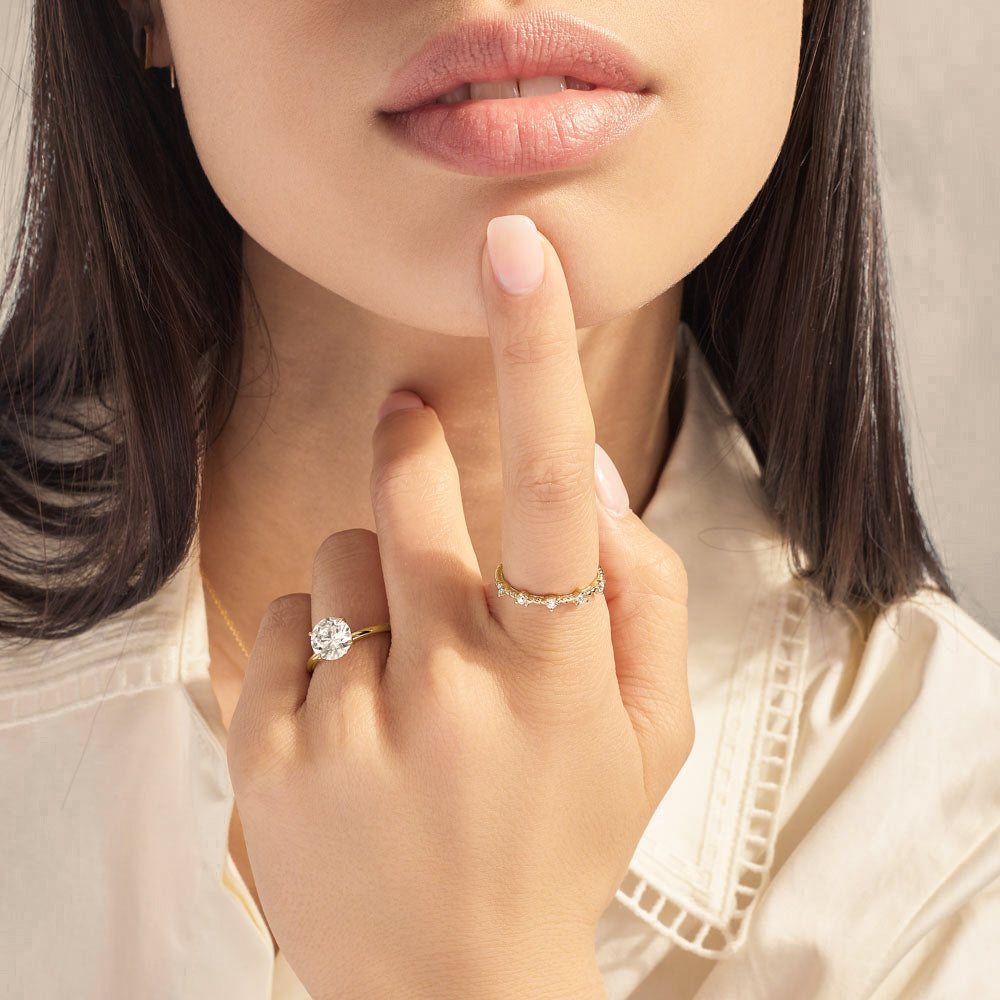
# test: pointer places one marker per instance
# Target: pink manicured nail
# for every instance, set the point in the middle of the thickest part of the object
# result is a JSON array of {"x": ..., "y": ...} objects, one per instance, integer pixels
[
  {"x": 401, "y": 399},
  {"x": 516, "y": 254},
  {"x": 608, "y": 483}
]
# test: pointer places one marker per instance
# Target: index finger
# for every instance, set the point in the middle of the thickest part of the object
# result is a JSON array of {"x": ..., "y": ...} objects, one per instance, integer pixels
[{"x": 549, "y": 542}]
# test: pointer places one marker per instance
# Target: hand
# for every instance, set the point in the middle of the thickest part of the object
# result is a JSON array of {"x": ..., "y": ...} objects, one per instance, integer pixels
[{"x": 449, "y": 810}]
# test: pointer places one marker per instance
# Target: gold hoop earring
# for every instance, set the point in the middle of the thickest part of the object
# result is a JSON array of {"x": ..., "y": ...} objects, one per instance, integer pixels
[{"x": 148, "y": 29}]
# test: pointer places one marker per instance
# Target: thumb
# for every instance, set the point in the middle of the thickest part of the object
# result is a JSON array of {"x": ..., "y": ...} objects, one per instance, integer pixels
[{"x": 646, "y": 591}]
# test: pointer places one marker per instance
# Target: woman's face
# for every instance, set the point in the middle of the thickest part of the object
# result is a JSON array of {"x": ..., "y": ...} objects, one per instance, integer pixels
[{"x": 282, "y": 100}]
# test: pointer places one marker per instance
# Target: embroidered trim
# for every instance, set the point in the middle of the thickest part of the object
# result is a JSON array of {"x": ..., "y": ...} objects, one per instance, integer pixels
[
  {"x": 688, "y": 925},
  {"x": 78, "y": 686},
  {"x": 134, "y": 650}
]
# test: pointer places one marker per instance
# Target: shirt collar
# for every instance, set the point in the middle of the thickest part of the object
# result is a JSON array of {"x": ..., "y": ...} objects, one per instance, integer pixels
[{"x": 706, "y": 854}]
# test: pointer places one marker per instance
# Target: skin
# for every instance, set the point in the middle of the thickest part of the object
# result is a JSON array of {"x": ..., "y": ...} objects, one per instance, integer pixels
[
  {"x": 366, "y": 258},
  {"x": 500, "y": 765},
  {"x": 367, "y": 261}
]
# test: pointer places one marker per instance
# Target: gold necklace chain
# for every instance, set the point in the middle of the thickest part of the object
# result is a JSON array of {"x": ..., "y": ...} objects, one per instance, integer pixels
[{"x": 225, "y": 615}]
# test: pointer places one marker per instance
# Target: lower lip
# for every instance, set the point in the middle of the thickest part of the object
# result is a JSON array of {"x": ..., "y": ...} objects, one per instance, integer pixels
[{"x": 507, "y": 137}]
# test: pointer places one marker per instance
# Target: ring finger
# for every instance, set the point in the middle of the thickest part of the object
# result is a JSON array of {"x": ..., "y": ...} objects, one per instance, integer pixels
[
  {"x": 549, "y": 535},
  {"x": 347, "y": 583}
]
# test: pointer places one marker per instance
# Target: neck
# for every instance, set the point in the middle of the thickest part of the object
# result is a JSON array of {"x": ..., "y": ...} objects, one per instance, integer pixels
[{"x": 293, "y": 461}]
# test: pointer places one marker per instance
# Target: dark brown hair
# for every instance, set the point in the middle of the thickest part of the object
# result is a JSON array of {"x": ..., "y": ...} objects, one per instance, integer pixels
[{"x": 119, "y": 361}]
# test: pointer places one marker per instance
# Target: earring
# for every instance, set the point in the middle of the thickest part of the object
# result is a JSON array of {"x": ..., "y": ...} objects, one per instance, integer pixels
[{"x": 148, "y": 28}]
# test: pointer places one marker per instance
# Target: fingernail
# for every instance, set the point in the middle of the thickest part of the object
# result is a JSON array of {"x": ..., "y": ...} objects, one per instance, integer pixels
[
  {"x": 516, "y": 254},
  {"x": 608, "y": 483},
  {"x": 401, "y": 399}
]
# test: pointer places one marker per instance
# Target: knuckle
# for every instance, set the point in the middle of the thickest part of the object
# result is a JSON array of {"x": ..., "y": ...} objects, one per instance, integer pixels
[
  {"x": 282, "y": 614},
  {"x": 666, "y": 575},
  {"x": 560, "y": 477},
  {"x": 347, "y": 546},
  {"x": 415, "y": 478},
  {"x": 531, "y": 347}
]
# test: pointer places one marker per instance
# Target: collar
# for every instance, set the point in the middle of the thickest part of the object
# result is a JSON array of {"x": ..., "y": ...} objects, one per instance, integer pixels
[{"x": 705, "y": 857}]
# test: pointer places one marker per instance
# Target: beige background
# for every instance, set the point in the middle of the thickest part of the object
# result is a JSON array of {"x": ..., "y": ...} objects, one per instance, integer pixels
[{"x": 935, "y": 79}]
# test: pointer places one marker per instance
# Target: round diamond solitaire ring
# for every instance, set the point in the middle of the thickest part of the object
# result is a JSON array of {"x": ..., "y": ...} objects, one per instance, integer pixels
[{"x": 330, "y": 638}]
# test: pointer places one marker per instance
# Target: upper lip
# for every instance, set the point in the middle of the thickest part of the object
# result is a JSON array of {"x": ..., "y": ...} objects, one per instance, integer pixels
[{"x": 538, "y": 43}]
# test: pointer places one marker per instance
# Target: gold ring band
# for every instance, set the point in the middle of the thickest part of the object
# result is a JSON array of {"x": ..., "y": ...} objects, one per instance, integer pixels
[{"x": 578, "y": 596}]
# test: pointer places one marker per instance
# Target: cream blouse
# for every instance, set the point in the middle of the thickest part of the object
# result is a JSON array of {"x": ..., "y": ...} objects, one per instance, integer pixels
[{"x": 834, "y": 834}]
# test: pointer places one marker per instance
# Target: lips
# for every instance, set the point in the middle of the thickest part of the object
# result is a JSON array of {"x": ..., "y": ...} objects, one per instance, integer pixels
[{"x": 539, "y": 43}]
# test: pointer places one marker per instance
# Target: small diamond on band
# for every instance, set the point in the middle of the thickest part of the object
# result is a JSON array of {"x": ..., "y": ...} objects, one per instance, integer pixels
[{"x": 522, "y": 597}]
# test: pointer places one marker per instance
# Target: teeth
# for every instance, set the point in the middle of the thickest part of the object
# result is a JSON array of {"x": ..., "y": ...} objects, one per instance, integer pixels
[
  {"x": 489, "y": 89},
  {"x": 502, "y": 89},
  {"x": 453, "y": 96},
  {"x": 541, "y": 85}
]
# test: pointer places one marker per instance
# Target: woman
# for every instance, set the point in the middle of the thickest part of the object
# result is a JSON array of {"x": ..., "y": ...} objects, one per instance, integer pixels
[{"x": 755, "y": 757}]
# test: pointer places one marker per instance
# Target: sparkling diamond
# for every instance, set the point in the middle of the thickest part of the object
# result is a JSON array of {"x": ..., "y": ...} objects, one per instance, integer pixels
[
  {"x": 600, "y": 586},
  {"x": 499, "y": 588},
  {"x": 581, "y": 598},
  {"x": 521, "y": 599},
  {"x": 550, "y": 603},
  {"x": 330, "y": 638}
]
